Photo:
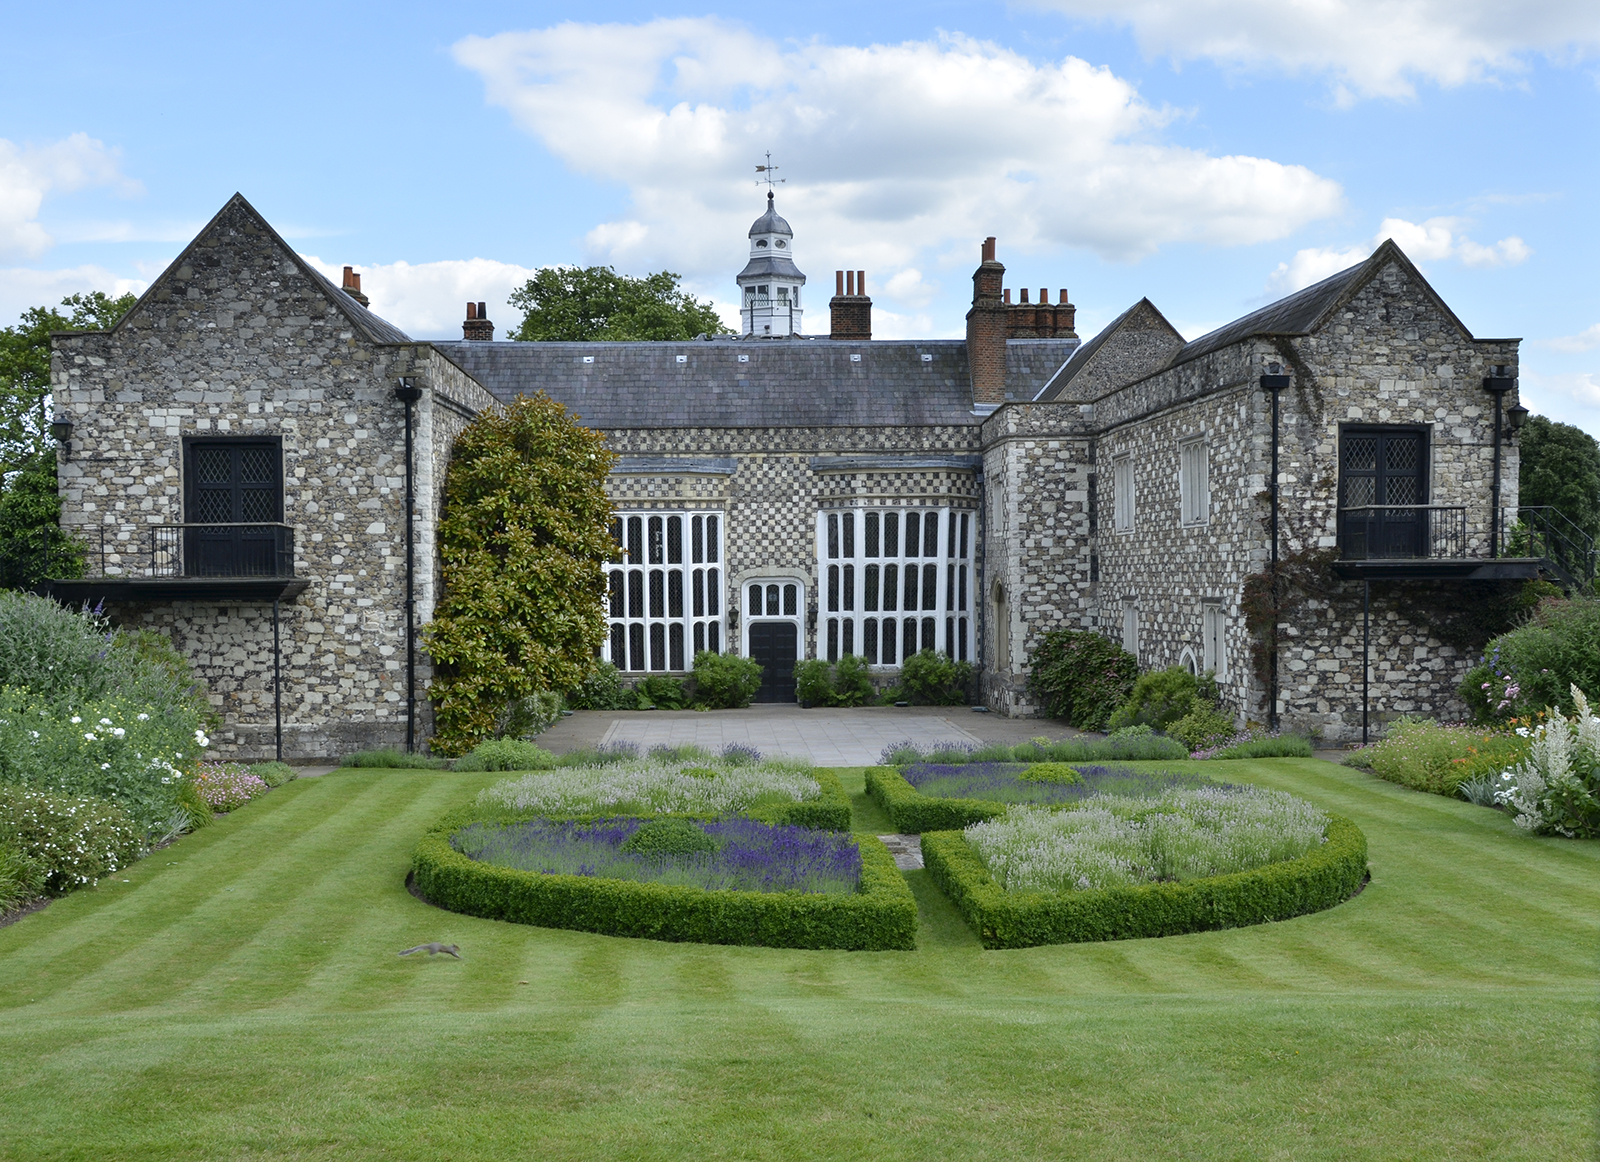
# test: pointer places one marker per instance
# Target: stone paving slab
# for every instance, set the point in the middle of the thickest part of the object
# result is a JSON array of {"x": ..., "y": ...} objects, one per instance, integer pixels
[
  {"x": 906, "y": 849},
  {"x": 836, "y": 738}
]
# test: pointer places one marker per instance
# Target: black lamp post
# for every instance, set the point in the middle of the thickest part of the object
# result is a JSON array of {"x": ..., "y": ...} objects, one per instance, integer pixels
[
  {"x": 61, "y": 429},
  {"x": 1274, "y": 382},
  {"x": 1497, "y": 383},
  {"x": 408, "y": 393}
]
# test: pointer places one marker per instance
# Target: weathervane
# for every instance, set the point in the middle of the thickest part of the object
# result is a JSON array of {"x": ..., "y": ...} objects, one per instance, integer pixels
[{"x": 769, "y": 169}]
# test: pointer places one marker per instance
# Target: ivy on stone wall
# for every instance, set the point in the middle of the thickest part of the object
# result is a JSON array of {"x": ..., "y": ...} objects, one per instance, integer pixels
[
  {"x": 523, "y": 535},
  {"x": 1304, "y": 576}
]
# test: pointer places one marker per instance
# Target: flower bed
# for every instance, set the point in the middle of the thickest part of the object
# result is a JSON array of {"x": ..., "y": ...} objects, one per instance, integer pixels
[
  {"x": 880, "y": 914},
  {"x": 225, "y": 786},
  {"x": 728, "y": 854},
  {"x": 1439, "y": 757},
  {"x": 773, "y": 791},
  {"x": 938, "y": 796},
  {"x": 1327, "y": 875}
]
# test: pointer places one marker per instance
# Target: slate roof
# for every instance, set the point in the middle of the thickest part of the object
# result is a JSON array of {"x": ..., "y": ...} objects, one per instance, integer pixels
[
  {"x": 376, "y": 329},
  {"x": 766, "y": 265},
  {"x": 785, "y": 383},
  {"x": 1054, "y": 386},
  {"x": 770, "y": 223}
]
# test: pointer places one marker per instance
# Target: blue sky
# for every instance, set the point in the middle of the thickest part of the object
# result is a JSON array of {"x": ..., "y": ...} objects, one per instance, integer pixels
[{"x": 1210, "y": 154}]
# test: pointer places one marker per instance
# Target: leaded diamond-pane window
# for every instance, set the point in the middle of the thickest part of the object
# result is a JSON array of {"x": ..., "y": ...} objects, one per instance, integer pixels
[{"x": 234, "y": 508}]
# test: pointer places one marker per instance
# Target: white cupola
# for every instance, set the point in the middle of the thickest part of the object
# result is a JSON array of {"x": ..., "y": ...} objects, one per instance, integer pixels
[{"x": 769, "y": 284}]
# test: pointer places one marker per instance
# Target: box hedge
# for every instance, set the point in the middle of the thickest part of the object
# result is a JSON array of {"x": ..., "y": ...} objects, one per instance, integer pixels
[
  {"x": 828, "y": 812},
  {"x": 882, "y": 915},
  {"x": 911, "y": 812},
  {"x": 1327, "y": 876}
]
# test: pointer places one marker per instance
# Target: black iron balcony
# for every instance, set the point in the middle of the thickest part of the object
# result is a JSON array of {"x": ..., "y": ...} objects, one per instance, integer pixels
[
  {"x": 1403, "y": 532},
  {"x": 256, "y": 549},
  {"x": 245, "y": 561},
  {"x": 1397, "y": 541}
]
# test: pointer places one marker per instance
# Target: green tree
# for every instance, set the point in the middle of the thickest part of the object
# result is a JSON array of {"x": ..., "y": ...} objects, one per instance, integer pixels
[
  {"x": 596, "y": 303},
  {"x": 1561, "y": 468},
  {"x": 523, "y": 536},
  {"x": 33, "y": 545}
]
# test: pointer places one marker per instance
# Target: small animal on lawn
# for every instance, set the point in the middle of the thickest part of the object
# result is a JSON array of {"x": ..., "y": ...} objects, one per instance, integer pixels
[{"x": 449, "y": 949}]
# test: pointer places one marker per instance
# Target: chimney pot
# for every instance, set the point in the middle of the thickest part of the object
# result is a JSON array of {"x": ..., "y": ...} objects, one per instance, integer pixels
[
  {"x": 1007, "y": 295},
  {"x": 838, "y": 282},
  {"x": 1044, "y": 296},
  {"x": 988, "y": 249},
  {"x": 850, "y": 282},
  {"x": 1063, "y": 296},
  {"x": 472, "y": 310},
  {"x": 1024, "y": 294},
  {"x": 850, "y": 312},
  {"x": 477, "y": 326},
  {"x": 347, "y": 272},
  {"x": 352, "y": 286},
  {"x": 483, "y": 312},
  {"x": 861, "y": 282}
]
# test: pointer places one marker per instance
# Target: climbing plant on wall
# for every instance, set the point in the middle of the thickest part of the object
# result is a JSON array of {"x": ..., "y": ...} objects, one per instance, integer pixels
[{"x": 524, "y": 532}]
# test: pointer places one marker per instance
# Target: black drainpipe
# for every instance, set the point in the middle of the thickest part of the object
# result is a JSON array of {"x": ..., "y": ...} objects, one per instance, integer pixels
[
  {"x": 406, "y": 391},
  {"x": 1274, "y": 381}
]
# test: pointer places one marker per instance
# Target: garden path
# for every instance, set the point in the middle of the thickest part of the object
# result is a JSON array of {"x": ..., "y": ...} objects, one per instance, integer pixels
[{"x": 829, "y": 738}]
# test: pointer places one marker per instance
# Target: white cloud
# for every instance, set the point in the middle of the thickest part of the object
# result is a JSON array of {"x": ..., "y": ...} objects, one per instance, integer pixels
[
  {"x": 28, "y": 173},
  {"x": 1585, "y": 340},
  {"x": 21, "y": 288},
  {"x": 428, "y": 300},
  {"x": 1570, "y": 398},
  {"x": 900, "y": 155},
  {"x": 1368, "y": 48},
  {"x": 1434, "y": 240}
]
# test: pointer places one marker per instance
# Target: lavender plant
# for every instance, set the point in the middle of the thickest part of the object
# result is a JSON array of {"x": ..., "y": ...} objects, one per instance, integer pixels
[
  {"x": 733, "y": 854},
  {"x": 1116, "y": 840},
  {"x": 656, "y": 786},
  {"x": 1556, "y": 789},
  {"x": 1014, "y": 783}
]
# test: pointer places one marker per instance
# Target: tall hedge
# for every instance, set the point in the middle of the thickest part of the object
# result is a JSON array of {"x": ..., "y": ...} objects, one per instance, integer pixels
[
  {"x": 1080, "y": 677},
  {"x": 524, "y": 533}
]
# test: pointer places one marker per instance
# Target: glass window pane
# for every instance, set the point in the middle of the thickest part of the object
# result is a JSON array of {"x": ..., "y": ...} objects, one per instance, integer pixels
[
  {"x": 713, "y": 541},
  {"x": 755, "y": 601},
  {"x": 615, "y": 591},
  {"x": 675, "y": 542},
  {"x": 636, "y": 647},
  {"x": 636, "y": 540},
  {"x": 791, "y": 601},
  {"x": 675, "y": 596},
  {"x": 699, "y": 636},
  {"x": 833, "y": 589},
  {"x": 833, "y": 535},
  {"x": 869, "y": 600},
  {"x": 658, "y": 647},
  {"x": 849, "y": 519},
  {"x": 930, "y": 534},
  {"x": 891, "y": 584},
  {"x": 848, "y": 646},
  {"x": 699, "y": 587},
  {"x": 772, "y": 601},
  {"x": 872, "y": 534},
  {"x": 891, "y": 534},
  {"x": 961, "y": 639},
  {"x": 888, "y": 641},
  {"x": 833, "y": 639},
  {"x": 909, "y": 641},
  {"x": 619, "y": 647},
  {"x": 930, "y": 587},
  {"x": 713, "y": 598},
  {"x": 910, "y": 601},
  {"x": 697, "y": 546},
  {"x": 849, "y": 587},
  {"x": 950, "y": 637},
  {"x": 964, "y": 518},
  {"x": 675, "y": 647},
  {"x": 714, "y": 637},
  {"x": 927, "y": 634},
  {"x": 951, "y": 539},
  {"x": 913, "y": 534},
  {"x": 658, "y": 594},
  {"x": 636, "y": 593},
  {"x": 656, "y": 545},
  {"x": 961, "y": 587},
  {"x": 616, "y": 537},
  {"x": 869, "y": 640}
]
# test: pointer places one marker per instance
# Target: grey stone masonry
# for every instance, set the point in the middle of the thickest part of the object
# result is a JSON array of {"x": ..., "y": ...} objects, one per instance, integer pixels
[{"x": 240, "y": 338}]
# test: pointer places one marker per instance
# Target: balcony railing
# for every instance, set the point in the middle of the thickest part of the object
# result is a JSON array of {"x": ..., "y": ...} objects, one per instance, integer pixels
[
  {"x": 1447, "y": 532},
  {"x": 239, "y": 551}
]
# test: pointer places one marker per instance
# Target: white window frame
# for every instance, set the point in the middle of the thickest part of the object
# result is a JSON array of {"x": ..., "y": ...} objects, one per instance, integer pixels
[
  {"x": 1214, "y": 639},
  {"x": 1122, "y": 493},
  {"x": 1194, "y": 482},
  {"x": 782, "y": 585},
  {"x": 854, "y": 602},
  {"x": 647, "y": 636}
]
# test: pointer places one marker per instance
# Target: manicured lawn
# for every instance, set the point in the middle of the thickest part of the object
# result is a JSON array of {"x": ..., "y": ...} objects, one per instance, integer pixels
[{"x": 240, "y": 997}]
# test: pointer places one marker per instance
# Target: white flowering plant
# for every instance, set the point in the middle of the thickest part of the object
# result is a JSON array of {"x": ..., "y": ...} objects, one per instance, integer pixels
[
  {"x": 77, "y": 840},
  {"x": 111, "y": 748},
  {"x": 657, "y": 785},
  {"x": 1556, "y": 789}
]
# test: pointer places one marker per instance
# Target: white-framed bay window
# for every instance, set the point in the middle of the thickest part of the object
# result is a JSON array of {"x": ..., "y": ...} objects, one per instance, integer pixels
[
  {"x": 664, "y": 589},
  {"x": 894, "y": 581}
]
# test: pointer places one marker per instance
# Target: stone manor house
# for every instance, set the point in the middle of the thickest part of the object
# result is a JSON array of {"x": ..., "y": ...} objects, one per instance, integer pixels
[{"x": 238, "y": 452}]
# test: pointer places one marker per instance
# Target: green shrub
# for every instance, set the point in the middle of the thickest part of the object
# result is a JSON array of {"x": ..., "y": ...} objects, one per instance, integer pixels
[
  {"x": 77, "y": 840},
  {"x": 1158, "y": 699},
  {"x": 1288, "y": 746},
  {"x": 196, "y": 812},
  {"x": 1201, "y": 727},
  {"x": 22, "y": 879},
  {"x": 273, "y": 774},
  {"x": 1556, "y": 789},
  {"x": 505, "y": 754},
  {"x": 725, "y": 681},
  {"x": 1080, "y": 677},
  {"x": 661, "y": 692},
  {"x": 933, "y": 679},
  {"x": 881, "y": 915},
  {"x": 846, "y": 682},
  {"x": 601, "y": 690},
  {"x": 911, "y": 812},
  {"x": 393, "y": 758},
  {"x": 1536, "y": 666},
  {"x": 530, "y": 715},
  {"x": 1427, "y": 756},
  {"x": 670, "y": 835},
  {"x": 1329, "y": 875},
  {"x": 1051, "y": 773}
]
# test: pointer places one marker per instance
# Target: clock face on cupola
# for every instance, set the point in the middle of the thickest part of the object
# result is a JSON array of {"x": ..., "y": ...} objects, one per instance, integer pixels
[{"x": 769, "y": 284}]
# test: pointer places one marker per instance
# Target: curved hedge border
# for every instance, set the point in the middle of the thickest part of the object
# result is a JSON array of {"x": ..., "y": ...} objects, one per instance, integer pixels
[
  {"x": 829, "y": 812},
  {"x": 1327, "y": 876},
  {"x": 911, "y": 812},
  {"x": 882, "y": 915}
]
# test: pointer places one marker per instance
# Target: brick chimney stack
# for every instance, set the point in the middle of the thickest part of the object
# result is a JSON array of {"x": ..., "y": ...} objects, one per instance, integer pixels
[
  {"x": 477, "y": 325},
  {"x": 986, "y": 330},
  {"x": 850, "y": 310},
  {"x": 352, "y": 286}
]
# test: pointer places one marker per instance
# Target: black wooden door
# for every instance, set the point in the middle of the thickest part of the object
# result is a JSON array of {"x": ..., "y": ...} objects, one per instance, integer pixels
[
  {"x": 772, "y": 646},
  {"x": 233, "y": 485},
  {"x": 1381, "y": 478}
]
